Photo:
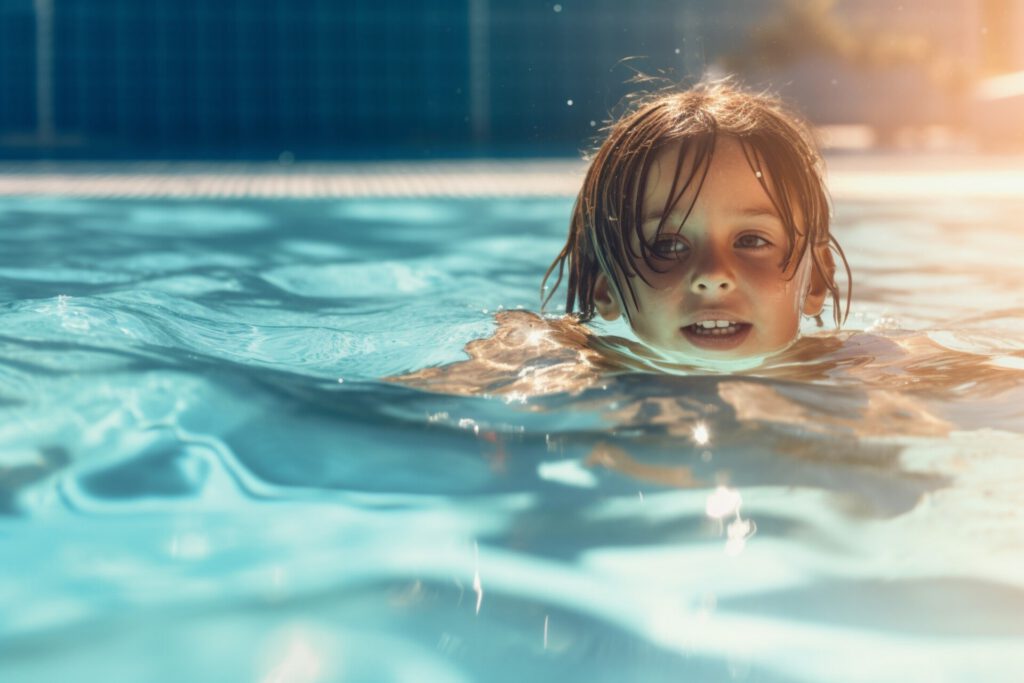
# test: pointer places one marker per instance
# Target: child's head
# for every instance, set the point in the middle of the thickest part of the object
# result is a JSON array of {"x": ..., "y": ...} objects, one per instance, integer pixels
[{"x": 703, "y": 219}]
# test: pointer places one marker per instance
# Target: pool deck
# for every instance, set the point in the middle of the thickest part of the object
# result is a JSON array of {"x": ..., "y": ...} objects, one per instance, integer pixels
[{"x": 851, "y": 177}]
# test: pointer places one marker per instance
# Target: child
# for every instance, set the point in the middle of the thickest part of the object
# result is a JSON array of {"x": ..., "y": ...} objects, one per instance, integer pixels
[{"x": 703, "y": 221}]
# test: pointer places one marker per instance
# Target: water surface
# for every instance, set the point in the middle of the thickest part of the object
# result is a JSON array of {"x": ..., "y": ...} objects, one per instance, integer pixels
[{"x": 203, "y": 477}]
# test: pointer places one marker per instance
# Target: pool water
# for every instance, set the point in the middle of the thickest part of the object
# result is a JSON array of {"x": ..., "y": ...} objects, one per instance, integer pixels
[{"x": 203, "y": 476}]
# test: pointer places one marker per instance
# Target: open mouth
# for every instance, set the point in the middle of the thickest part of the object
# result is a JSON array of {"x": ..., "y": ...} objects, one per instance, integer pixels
[{"x": 717, "y": 334}]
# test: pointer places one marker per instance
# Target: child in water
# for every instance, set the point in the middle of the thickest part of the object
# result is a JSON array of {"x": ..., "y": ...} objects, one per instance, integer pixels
[{"x": 703, "y": 222}]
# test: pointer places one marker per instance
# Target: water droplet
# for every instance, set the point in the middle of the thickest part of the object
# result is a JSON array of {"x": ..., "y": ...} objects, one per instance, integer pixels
[
  {"x": 558, "y": 8},
  {"x": 569, "y": 102},
  {"x": 593, "y": 123},
  {"x": 677, "y": 50}
]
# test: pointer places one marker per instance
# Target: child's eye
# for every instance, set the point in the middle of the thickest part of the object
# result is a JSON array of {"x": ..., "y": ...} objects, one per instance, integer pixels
[
  {"x": 752, "y": 242},
  {"x": 669, "y": 247}
]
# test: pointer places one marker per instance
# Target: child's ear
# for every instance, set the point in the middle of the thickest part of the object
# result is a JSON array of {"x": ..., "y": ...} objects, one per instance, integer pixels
[
  {"x": 817, "y": 291},
  {"x": 604, "y": 298}
]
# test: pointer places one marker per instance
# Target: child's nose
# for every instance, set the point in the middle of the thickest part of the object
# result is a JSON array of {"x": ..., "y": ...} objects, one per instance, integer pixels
[
  {"x": 711, "y": 284},
  {"x": 712, "y": 277}
]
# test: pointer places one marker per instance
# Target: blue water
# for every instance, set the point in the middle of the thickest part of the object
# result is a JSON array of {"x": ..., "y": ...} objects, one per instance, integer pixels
[{"x": 203, "y": 477}]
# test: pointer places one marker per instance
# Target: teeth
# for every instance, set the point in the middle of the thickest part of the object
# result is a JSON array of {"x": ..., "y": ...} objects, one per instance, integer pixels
[{"x": 715, "y": 327}]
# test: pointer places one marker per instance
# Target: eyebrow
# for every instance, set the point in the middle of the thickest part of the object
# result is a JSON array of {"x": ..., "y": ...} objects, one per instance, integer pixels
[{"x": 758, "y": 211}]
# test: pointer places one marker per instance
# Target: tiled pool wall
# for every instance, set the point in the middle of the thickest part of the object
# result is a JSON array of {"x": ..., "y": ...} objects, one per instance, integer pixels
[{"x": 370, "y": 79}]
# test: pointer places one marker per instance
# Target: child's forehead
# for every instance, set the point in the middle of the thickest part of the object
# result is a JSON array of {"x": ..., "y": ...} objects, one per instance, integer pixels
[{"x": 728, "y": 175}]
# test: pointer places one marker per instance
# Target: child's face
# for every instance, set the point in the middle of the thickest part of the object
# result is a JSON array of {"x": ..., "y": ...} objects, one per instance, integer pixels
[{"x": 722, "y": 269}]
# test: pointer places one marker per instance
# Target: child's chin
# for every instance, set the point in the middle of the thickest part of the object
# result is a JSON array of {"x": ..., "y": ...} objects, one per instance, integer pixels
[
  {"x": 748, "y": 353},
  {"x": 735, "y": 353},
  {"x": 734, "y": 360}
]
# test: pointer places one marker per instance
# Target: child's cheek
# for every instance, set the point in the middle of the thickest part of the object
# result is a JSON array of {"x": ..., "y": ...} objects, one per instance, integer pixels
[
  {"x": 771, "y": 277},
  {"x": 787, "y": 295},
  {"x": 654, "y": 322}
]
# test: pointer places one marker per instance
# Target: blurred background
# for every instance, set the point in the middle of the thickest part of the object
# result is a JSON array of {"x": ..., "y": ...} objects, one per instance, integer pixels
[{"x": 290, "y": 80}]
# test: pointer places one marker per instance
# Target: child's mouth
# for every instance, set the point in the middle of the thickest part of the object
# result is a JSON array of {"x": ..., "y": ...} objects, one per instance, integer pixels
[{"x": 711, "y": 334}]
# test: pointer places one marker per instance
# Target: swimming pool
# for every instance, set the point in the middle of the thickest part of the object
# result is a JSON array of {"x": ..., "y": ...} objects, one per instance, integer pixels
[{"x": 203, "y": 477}]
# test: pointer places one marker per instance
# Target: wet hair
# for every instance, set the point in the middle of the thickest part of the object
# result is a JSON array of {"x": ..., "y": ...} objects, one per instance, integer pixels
[{"x": 606, "y": 228}]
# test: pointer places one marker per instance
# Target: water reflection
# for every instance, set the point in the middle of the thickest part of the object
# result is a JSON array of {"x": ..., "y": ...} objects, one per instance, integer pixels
[
  {"x": 612, "y": 457},
  {"x": 884, "y": 383},
  {"x": 853, "y": 400},
  {"x": 528, "y": 355}
]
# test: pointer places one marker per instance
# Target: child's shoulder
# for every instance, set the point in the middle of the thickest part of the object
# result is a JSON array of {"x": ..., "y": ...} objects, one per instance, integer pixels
[
  {"x": 528, "y": 354},
  {"x": 528, "y": 330}
]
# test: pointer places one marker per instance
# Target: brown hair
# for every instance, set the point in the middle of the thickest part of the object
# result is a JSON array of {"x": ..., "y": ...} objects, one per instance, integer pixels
[{"x": 606, "y": 224}]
